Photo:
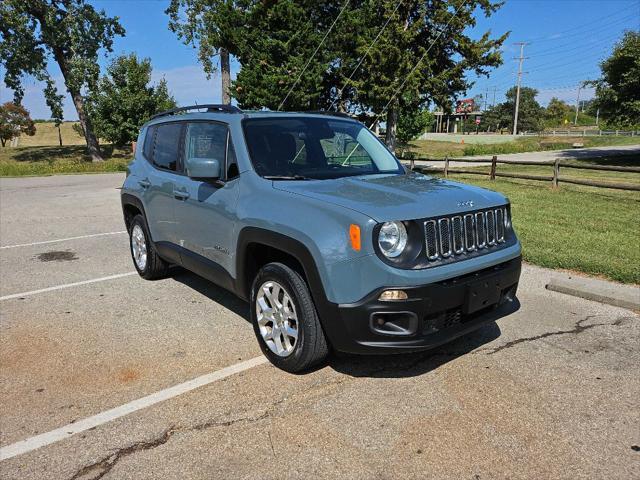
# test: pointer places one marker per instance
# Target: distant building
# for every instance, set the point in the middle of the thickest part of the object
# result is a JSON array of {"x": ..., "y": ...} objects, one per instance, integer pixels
[{"x": 453, "y": 122}]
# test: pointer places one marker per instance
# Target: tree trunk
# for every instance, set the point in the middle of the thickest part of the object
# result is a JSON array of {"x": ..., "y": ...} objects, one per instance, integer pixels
[
  {"x": 59, "y": 135},
  {"x": 85, "y": 123},
  {"x": 3, "y": 141},
  {"x": 225, "y": 70},
  {"x": 392, "y": 126}
]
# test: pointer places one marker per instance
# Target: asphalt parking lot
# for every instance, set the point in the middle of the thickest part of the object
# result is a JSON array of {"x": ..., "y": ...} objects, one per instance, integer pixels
[{"x": 550, "y": 392}]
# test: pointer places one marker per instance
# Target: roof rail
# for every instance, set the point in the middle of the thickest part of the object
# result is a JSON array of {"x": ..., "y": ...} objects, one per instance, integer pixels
[
  {"x": 327, "y": 112},
  {"x": 211, "y": 107}
]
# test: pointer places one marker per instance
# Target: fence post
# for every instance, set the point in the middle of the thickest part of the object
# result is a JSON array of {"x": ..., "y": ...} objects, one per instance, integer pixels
[
  {"x": 617, "y": 132},
  {"x": 412, "y": 164},
  {"x": 556, "y": 173},
  {"x": 446, "y": 166},
  {"x": 494, "y": 159}
]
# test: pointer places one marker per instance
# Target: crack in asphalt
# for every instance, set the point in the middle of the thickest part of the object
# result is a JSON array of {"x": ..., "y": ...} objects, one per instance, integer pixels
[
  {"x": 107, "y": 463},
  {"x": 578, "y": 328}
]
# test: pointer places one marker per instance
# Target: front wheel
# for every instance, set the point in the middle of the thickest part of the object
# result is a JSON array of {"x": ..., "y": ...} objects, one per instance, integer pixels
[{"x": 285, "y": 320}]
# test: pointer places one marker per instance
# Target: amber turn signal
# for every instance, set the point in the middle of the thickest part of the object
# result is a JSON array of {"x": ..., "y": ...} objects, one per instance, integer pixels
[{"x": 354, "y": 236}]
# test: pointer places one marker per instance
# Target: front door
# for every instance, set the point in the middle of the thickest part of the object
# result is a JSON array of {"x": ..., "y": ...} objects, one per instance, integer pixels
[{"x": 205, "y": 211}]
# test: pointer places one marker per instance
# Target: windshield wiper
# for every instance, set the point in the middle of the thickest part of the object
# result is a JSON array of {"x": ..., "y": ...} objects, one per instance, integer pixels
[{"x": 286, "y": 177}]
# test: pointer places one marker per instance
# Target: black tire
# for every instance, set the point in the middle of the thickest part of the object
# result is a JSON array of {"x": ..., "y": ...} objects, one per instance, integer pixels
[
  {"x": 311, "y": 345},
  {"x": 155, "y": 267}
]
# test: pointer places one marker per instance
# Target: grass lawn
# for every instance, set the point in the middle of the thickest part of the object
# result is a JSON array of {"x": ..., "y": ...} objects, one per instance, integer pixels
[
  {"x": 586, "y": 229},
  {"x": 47, "y": 135},
  {"x": 439, "y": 149},
  {"x": 21, "y": 161}
]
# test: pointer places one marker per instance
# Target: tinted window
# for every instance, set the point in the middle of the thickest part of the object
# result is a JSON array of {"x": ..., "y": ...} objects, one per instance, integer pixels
[
  {"x": 148, "y": 142},
  {"x": 167, "y": 146},
  {"x": 206, "y": 140},
  {"x": 232, "y": 163}
]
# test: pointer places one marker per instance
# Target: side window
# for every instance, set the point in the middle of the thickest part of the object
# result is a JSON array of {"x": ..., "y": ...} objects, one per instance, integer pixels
[
  {"x": 148, "y": 143},
  {"x": 232, "y": 163},
  {"x": 167, "y": 145},
  {"x": 206, "y": 140}
]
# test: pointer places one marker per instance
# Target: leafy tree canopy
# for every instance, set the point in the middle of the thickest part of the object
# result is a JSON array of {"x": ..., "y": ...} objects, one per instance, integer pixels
[
  {"x": 412, "y": 123},
  {"x": 72, "y": 33},
  {"x": 618, "y": 90},
  {"x": 14, "y": 121},
  {"x": 530, "y": 113},
  {"x": 124, "y": 99},
  {"x": 407, "y": 54}
]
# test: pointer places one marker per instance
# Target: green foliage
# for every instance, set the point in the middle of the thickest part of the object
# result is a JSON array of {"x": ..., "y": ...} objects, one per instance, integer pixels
[
  {"x": 14, "y": 121},
  {"x": 282, "y": 47},
  {"x": 618, "y": 90},
  {"x": 124, "y": 99},
  {"x": 557, "y": 113},
  {"x": 530, "y": 113},
  {"x": 70, "y": 31},
  {"x": 412, "y": 123}
]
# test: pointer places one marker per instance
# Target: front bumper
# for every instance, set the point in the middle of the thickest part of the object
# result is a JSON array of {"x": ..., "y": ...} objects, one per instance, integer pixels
[{"x": 432, "y": 315}]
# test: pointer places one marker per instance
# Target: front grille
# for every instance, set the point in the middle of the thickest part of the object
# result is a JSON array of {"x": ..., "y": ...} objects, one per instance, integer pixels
[{"x": 461, "y": 234}]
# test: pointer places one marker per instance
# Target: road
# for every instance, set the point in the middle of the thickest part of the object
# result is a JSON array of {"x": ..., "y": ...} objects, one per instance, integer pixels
[
  {"x": 87, "y": 346},
  {"x": 548, "y": 156}
]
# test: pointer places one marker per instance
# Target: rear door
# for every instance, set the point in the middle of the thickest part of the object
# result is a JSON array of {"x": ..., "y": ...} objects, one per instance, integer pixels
[
  {"x": 162, "y": 153},
  {"x": 205, "y": 211}
]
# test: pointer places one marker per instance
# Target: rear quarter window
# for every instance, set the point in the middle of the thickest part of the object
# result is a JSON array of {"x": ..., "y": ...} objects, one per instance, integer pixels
[{"x": 147, "y": 149}]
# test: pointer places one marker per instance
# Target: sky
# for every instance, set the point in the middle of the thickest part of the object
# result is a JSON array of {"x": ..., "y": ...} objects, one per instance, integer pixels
[{"x": 566, "y": 40}]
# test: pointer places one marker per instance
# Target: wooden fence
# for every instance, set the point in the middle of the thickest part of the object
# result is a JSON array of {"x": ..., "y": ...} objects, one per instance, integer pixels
[{"x": 554, "y": 178}]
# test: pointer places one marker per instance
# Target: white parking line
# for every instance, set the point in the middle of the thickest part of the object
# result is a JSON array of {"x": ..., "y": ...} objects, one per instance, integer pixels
[
  {"x": 63, "y": 239},
  {"x": 66, "y": 285},
  {"x": 33, "y": 443}
]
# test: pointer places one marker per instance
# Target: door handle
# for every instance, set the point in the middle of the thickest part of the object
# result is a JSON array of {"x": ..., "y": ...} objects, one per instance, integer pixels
[
  {"x": 181, "y": 195},
  {"x": 144, "y": 183}
]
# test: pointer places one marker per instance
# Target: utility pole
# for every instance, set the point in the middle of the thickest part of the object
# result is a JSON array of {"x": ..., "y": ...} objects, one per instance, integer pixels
[
  {"x": 494, "y": 96},
  {"x": 486, "y": 99},
  {"x": 575, "y": 120},
  {"x": 521, "y": 59},
  {"x": 597, "y": 116}
]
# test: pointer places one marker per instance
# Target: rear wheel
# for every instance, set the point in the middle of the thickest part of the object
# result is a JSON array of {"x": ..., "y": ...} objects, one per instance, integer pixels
[
  {"x": 285, "y": 320},
  {"x": 145, "y": 257}
]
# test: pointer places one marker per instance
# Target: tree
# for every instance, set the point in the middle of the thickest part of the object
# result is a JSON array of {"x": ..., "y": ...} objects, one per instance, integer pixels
[
  {"x": 14, "y": 120},
  {"x": 618, "y": 90},
  {"x": 557, "y": 113},
  {"x": 198, "y": 23},
  {"x": 412, "y": 123},
  {"x": 301, "y": 55},
  {"x": 69, "y": 31},
  {"x": 530, "y": 113},
  {"x": 124, "y": 99}
]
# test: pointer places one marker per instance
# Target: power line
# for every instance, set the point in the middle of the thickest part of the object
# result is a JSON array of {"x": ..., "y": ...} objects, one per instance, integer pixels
[
  {"x": 364, "y": 56},
  {"x": 314, "y": 54},
  {"x": 453, "y": 15}
]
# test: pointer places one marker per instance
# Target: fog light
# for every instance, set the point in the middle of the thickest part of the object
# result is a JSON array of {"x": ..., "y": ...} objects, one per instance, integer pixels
[{"x": 390, "y": 295}]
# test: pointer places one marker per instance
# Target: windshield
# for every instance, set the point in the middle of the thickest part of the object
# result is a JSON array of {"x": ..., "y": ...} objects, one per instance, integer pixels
[{"x": 318, "y": 148}]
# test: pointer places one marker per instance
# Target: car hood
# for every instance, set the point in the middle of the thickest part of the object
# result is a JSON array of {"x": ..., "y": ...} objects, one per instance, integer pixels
[{"x": 396, "y": 197}]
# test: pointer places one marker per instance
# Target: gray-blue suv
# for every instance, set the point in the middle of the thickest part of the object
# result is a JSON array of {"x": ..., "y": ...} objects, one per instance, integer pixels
[{"x": 312, "y": 220}]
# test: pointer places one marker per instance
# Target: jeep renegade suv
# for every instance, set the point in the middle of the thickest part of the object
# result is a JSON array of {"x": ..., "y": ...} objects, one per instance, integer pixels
[{"x": 313, "y": 221}]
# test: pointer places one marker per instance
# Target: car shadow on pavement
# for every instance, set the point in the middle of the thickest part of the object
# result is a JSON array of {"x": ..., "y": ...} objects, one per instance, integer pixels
[
  {"x": 212, "y": 292},
  {"x": 412, "y": 364},
  {"x": 376, "y": 366}
]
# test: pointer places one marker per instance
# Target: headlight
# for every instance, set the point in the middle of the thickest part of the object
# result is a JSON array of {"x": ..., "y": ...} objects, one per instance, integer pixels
[{"x": 392, "y": 239}]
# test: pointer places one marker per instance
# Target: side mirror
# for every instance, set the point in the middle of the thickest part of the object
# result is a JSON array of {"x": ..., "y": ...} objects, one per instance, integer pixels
[{"x": 206, "y": 168}]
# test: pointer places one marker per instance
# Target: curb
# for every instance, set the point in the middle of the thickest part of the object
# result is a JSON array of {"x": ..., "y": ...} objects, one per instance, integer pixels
[{"x": 625, "y": 296}]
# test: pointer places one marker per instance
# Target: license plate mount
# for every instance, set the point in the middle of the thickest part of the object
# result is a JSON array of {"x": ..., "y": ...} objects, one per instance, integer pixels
[{"x": 481, "y": 294}]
